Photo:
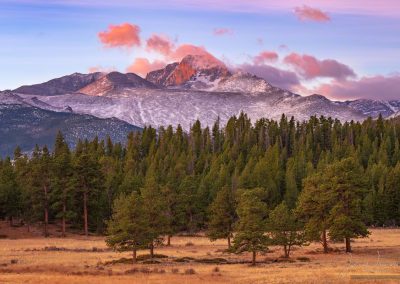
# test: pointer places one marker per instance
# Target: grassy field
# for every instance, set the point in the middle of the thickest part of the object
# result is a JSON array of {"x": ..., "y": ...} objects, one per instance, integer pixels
[{"x": 29, "y": 258}]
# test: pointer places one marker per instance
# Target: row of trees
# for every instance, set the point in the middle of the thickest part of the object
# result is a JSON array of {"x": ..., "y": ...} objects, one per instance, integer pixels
[
  {"x": 185, "y": 174},
  {"x": 331, "y": 200}
]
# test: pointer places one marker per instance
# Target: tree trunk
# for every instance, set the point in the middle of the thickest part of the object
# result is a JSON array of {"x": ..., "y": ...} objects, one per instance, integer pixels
[
  {"x": 151, "y": 250},
  {"x": 348, "y": 245},
  {"x": 253, "y": 260},
  {"x": 46, "y": 213},
  {"x": 63, "y": 218},
  {"x": 229, "y": 242},
  {"x": 324, "y": 241},
  {"x": 85, "y": 213},
  {"x": 134, "y": 256},
  {"x": 169, "y": 240},
  {"x": 285, "y": 250}
]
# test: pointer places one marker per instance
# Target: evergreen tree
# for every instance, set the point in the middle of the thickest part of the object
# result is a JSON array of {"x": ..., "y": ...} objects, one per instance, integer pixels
[
  {"x": 155, "y": 211},
  {"x": 251, "y": 226},
  {"x": 10, "y": 195},
  {"x": 346, "y": 189},
  {"x": 314, "y": 206},
  {"x": 88, "y": 180},
  {"x": 128, "y": 229},
  {"x": 284, "y": 228},
  {"x": 61, "y": 195},
  {"x": 222, "y": 216}
]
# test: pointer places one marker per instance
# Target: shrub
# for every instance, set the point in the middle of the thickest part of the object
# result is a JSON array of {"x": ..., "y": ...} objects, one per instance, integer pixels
[
  {"x": 303, "y": 259},
  {"x": 147, "y": 256},
  {"x": 190, "y": 271}
]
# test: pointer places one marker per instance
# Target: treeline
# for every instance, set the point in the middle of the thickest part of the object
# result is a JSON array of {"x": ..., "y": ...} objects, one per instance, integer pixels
[{"x": 200, "y": 179}]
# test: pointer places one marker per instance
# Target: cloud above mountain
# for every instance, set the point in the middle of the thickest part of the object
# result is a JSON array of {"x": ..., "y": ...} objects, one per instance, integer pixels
[
  {"x": 161, "y": 44},
  {"x": 165, "y": 47},
  {"x": 123, "y": 35},
  {"x": 142, "y": 66},
  {"x": 276, "y": 76},
  {"x": 310, "y": 67},
  {"x": 372, "y": 87},
  {"x": 265, "y": 56}
]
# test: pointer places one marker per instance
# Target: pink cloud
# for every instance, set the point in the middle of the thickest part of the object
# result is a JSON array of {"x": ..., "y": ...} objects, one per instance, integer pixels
[
  {"x": 275, "y": 76},
  {"x": 265, "y": 56},
  {"x": 142, "y": 66},
  {"x": 306, "y": 13},
  {"x": 222, "y": 31},
  {"x": 124, "y": 35},
  {"x": 164, "y": 46},
  {"x": 160, "y": 44},
  {"x": 186, "y": 49},
  {"x": 310, "y": 67},
  {"x": 375, "y": 87}
]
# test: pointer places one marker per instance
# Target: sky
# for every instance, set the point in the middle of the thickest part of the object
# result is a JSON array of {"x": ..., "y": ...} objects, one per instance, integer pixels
[{"x": 343, "y": 49}]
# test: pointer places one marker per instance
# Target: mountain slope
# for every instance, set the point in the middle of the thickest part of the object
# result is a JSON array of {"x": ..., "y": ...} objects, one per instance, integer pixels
[
  {"x": 24, "y": 125},
  {"x": 66, "y": 84},
  {"x": 114, "y": 81},
  {"x": 160, "y": 107},
  {"x": 373, "y": 108}
]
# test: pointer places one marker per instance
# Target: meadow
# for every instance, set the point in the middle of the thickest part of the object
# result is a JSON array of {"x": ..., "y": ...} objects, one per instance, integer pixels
[{"x": 29, "y": 258}]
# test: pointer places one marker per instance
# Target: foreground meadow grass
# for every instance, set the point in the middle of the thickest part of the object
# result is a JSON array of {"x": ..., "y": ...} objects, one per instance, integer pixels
[{"x": 27, "y": 259}]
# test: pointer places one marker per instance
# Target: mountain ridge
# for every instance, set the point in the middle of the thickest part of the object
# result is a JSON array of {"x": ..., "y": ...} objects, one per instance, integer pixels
[{"x": 197, "y": 87}]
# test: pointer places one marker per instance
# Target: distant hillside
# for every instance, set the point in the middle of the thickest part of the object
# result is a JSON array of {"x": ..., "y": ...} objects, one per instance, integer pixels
[{"x": 26, "y": 126}]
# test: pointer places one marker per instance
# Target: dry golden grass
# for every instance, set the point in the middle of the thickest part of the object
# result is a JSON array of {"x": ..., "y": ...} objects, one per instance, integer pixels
[{"x": 374, "y": 256}]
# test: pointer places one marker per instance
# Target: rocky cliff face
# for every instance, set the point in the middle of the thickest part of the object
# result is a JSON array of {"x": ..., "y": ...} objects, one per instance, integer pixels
[
  {"x": 197, "y": 71},
  {"x": 159, "y": 77}
]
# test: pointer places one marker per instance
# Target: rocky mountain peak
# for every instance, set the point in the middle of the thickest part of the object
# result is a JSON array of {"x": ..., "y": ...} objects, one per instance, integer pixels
[{"x": 195, "y": 71}]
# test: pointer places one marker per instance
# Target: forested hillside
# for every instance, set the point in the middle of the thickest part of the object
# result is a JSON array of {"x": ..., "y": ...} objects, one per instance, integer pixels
[{"x": 192, "y": 180}]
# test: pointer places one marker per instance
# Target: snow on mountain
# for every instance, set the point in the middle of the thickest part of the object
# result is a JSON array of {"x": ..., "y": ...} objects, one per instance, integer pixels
[
  {"x": 243, "y": 82},
  {"x": 9, "y": 98},
  {"x": 373, "y": 108},
  {"x": 62, "y": 85},
  {"x": 160, "y": 107},
  {"x": 394, "y": 115},
  {"x": 114, "y": 81}
]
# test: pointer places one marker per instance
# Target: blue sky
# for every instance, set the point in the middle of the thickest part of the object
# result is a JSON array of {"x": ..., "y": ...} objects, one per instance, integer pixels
[{"x": 41, "y": 40}]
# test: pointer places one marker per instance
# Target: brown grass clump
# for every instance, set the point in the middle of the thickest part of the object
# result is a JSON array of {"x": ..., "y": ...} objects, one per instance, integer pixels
[
  {"x": 303, "y": 259},
  {"x": 190, "y": 271}
]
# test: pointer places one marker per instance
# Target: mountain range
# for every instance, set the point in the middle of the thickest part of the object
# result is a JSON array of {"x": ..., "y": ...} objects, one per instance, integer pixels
[{"x": 198, "y": 87}]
